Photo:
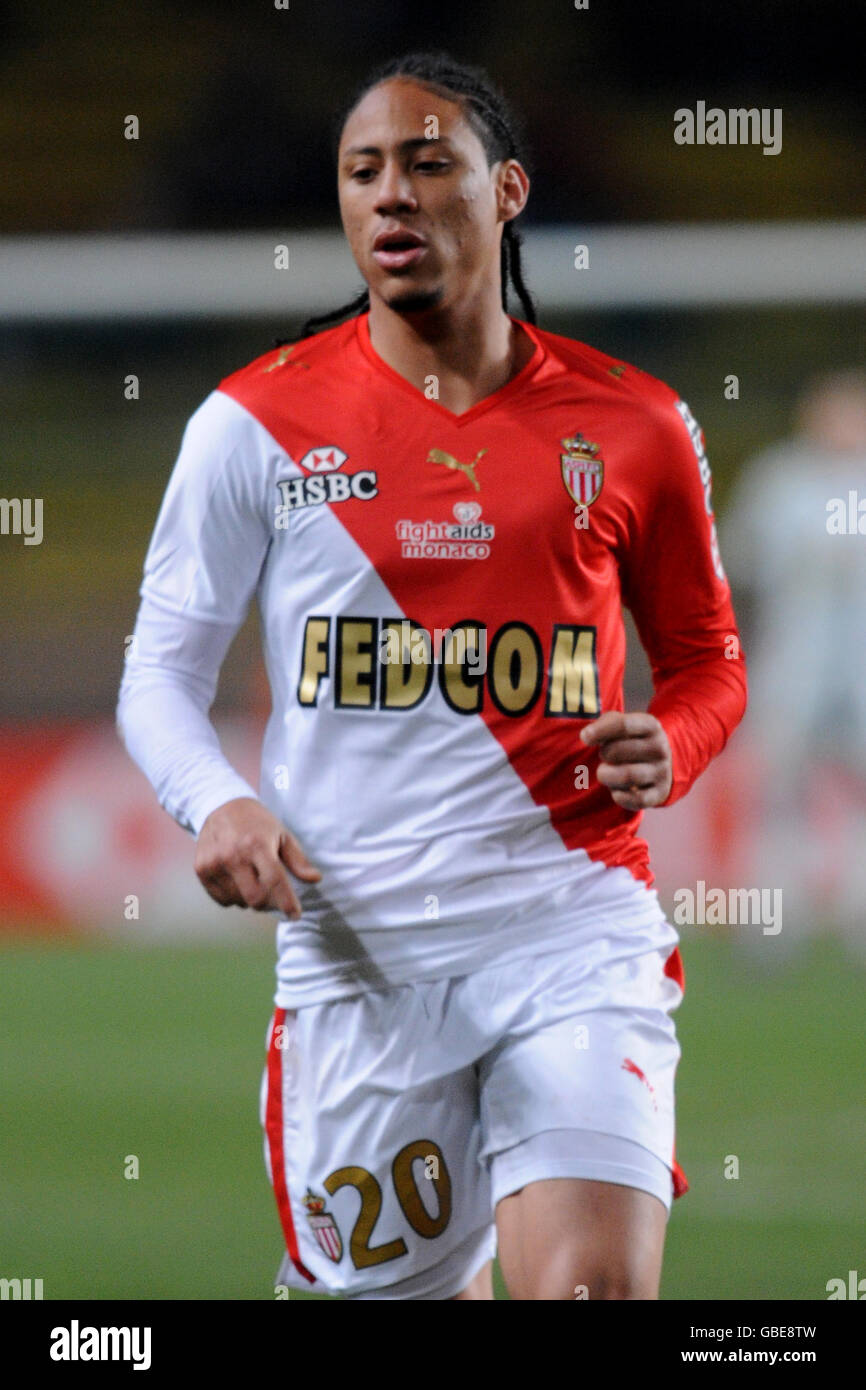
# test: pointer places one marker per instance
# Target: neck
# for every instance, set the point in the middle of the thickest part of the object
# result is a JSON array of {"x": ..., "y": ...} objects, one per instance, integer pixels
[{"x": 472, "y": 349}]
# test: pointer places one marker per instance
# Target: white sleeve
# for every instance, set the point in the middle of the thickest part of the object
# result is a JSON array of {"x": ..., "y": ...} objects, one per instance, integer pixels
[{"x": 201, "y": 571}]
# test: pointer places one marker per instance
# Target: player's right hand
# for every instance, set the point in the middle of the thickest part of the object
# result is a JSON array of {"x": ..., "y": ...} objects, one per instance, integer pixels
[{"x": 242, "y": 856}]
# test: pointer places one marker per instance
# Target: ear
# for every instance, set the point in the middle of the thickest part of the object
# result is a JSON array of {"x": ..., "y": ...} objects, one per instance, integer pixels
[{"x": 512, "y": 189}]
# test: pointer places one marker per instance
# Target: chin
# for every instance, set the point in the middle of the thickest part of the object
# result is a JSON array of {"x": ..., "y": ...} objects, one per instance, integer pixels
[{"x": 409, "y": 300}]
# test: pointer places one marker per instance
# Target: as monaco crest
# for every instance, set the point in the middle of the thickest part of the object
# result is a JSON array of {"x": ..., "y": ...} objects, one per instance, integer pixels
[
  {"x": 582, "y": 469},
  {"x": 324, "y": 1226}
]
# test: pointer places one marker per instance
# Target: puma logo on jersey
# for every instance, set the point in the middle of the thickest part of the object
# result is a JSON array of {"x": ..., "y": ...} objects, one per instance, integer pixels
[
  {"x": 449, "y": 461},
  {"x": 281, "y": 359}
]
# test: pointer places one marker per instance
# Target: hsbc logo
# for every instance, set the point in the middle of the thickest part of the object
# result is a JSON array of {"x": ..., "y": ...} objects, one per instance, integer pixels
[
  {"x": 324, "y": 460},
  {"x": 323, "y": 483}
]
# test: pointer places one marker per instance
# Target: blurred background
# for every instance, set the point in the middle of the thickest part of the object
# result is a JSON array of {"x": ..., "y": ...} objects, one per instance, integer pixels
[{"x": 136, "y": 270}]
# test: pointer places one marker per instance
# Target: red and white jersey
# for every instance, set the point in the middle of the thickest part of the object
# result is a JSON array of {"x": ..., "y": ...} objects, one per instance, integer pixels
[{"x": 441, "y": 602}]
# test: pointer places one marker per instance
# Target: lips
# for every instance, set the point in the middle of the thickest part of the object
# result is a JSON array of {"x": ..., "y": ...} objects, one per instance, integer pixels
[{"x": 398, "y": 248}]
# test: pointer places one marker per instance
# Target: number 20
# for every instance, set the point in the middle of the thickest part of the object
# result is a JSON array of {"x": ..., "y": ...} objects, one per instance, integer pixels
[{"x": 406, "y": 1188}]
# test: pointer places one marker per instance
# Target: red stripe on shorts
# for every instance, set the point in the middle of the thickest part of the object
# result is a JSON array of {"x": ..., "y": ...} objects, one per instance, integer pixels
[
  {"x": 674, "y": 970},
  {"x": 274, "y": 1132},
  {"x": 681, "y": 1182}
]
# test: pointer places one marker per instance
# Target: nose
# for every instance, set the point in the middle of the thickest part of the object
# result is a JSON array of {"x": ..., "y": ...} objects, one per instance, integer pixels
[{"x": 394, "y": 191}]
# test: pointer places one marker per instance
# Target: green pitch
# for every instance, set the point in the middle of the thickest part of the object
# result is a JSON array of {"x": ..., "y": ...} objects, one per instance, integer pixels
[{"x": 156, "y": 1053}]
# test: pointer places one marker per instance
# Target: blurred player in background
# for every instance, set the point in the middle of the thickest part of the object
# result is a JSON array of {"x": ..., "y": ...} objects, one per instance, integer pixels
[
  {"x": 794, "y": 544},
  {"x": 441, "y": 510}
]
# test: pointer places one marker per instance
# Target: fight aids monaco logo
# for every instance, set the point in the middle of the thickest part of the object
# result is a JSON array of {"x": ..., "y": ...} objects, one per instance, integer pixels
[
  {"x": 323, "y": 482},
  {"x": 465, "y": 538}
]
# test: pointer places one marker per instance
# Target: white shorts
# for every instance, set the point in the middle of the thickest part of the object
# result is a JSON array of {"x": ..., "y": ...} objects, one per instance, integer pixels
[{"x": 396, "y": 1119}]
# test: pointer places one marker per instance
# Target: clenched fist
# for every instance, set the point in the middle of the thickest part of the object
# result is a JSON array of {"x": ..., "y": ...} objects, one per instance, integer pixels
[{"x": 636, "y": 764}]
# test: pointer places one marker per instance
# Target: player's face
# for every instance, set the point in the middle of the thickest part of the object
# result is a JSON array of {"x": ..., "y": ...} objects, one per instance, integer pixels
[{"x": 421, "y": 208}]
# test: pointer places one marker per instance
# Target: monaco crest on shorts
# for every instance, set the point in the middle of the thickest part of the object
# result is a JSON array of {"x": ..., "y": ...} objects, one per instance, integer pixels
[
  {"x": 582, "y": 469},
  {"x": 324, "y": 1226}
]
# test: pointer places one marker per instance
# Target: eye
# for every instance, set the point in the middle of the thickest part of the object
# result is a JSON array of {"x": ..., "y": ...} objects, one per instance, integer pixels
[
  {"x": 433, "y": 165},
  {"x": 363, "y": 175}
]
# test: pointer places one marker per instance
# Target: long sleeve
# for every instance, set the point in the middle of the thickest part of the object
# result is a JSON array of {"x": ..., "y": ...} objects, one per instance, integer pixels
[
  {"x": 201, "y": 571},
  {"x": 675, "y": 586}
]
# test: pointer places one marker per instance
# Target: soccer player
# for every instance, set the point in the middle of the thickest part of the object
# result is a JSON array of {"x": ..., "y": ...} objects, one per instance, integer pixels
[{"x": 441, "y": 510}]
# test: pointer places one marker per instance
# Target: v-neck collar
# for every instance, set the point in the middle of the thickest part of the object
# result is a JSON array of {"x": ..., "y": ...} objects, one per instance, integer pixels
[{"x": 487, "y": 403}]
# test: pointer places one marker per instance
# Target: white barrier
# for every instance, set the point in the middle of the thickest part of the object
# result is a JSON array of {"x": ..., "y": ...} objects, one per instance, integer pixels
[{"x": 234, "y": 275}]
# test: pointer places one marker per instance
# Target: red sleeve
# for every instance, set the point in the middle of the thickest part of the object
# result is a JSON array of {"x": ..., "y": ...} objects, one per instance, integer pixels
[{"x": 674, "y": 583}]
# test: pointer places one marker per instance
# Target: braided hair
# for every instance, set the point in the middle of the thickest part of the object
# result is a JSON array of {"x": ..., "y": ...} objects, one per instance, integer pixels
[{"x": 494, "y": 123}]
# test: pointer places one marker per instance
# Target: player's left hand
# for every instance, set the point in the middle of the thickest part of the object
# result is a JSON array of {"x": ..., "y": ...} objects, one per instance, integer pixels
[{"x": 636, "y": 763}]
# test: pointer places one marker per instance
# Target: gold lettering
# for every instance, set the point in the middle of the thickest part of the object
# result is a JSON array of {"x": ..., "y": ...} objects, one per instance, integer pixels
[
  {"x": 573, "y": 684},
  {"x": 515, "y": 668},
  {"x": 405, "y": 682},
  {"x": 463, "y": 689},
  {"x": 315, "y": 663},
  {"x": 355, "y": 678}
]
